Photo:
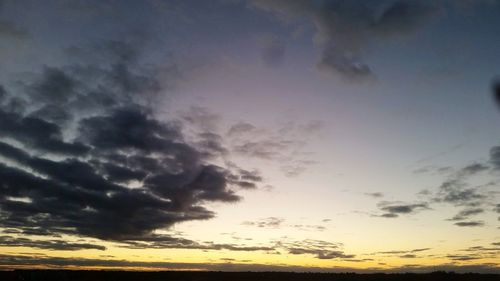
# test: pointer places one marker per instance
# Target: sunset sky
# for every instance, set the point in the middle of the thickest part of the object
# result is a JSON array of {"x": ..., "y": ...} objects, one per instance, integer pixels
[{"x": 250, "y": 135}]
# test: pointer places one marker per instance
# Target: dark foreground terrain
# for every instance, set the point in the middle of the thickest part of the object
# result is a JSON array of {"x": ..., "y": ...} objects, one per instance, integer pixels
[{"x": 55, "y": 275}]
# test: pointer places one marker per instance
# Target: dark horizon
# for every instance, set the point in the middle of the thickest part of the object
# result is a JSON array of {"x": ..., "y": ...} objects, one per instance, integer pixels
[{"x": 63, "y": 275}]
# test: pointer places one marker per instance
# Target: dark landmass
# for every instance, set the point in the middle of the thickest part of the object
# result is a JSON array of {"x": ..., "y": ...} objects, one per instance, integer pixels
[{"x": 77, "y": 275}]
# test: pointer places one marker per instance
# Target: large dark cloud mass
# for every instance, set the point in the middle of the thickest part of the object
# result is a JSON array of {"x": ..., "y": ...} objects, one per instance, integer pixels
[
  {"x": 345, "y": 29},
  {"x": 85, "y": 155}
]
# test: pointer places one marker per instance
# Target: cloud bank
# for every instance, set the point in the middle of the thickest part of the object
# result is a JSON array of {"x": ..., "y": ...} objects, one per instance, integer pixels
[{"x": 83, "y": 153}]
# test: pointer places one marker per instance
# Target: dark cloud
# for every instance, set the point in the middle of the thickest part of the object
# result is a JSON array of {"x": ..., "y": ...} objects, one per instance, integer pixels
[
  {"x": 37, "y": 133},
  {"x": 389, "y": 215},
  {"x": 469, "y": 223},
  {"x": 147, "y": 241},
  {"x": 394, "y": 209},
  {"x": 345, "y": 29},
  {"x": 320, "y": 249},
  {"x": 476, "y": 252},
  {"x": 343, "y": 64},
  {"x": 474, "y": 168},
  {"x": 484, "y": 251},
  {"x": 58, "y": 245},
  {"x": 408, "y": 256},
  {"x": 250, "y": 175},
  {"x": 211, "y": 144},
  {"x": 375, "y": 194},
  {"x": 131, "y": 129},
  {"x": 457, "y": 191},
  {"x": 420, "y": 250},
  {"x": 332, "y": 255},
  {"x": 154, "y": 241},
  {"x": 392, "y": 252},
  {"x": 87, "y": 156},
  {"x": 466, "y": 213},
  {"x": 403, "y": 253},
  {"x": 471, "y": 198},
  {"x": 52, "y": 113},
  {"x": 245, "y": 179},
  {"x": 462, "y": 257},
  {"x": 452, "y": 192},
  {"x": 434, "y": 170},
  {"x": 54, "y": 87}
]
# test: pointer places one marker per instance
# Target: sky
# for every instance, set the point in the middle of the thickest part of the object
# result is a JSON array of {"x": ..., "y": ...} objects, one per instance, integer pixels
[{"x": 285, "y": 135}]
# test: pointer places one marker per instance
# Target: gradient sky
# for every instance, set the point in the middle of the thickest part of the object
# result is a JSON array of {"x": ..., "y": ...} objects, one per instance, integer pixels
[{"x": 250, "y": 135}]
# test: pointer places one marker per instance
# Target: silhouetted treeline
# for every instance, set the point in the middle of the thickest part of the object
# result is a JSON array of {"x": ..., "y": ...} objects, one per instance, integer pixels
[{"x": 84, "y": 275}]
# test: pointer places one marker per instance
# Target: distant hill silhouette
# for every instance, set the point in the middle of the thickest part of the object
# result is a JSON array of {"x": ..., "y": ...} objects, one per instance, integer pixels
[{"x": 85, "y": 275}]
